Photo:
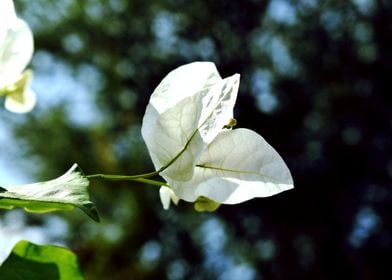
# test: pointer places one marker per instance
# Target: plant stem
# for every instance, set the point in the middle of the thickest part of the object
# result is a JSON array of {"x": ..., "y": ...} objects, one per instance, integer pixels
[
  {"x": 123, "y": 177},
  {"x": 138, "y": 178},
  {"x": 152, "y": 182}
]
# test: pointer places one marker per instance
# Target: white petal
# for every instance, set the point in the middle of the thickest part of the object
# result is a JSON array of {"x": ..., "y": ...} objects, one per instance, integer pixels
[
  {"x": 7, "y": 16},
  {"x": 19, "y": 97},
  {"x": 21, "y": 104},
  {"x": 165, "y": 194},
  {"x": 186, "y": 111},
  {"x": 63, "y": 193},
  {"x": 7, "y": 11},
  {"x": 16, "y": 51},
  {"x": 218, "y": 107},
  {"x": 175, "y": 199},
  {"x": 68, "y": 187},
  {"x": 237, "y": 166},
  {"x": 184, "y": 81}
]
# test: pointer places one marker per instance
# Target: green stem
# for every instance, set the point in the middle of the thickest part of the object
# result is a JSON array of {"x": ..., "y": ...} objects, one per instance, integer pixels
[
  {"x": 123, "y": 177},
  {"x": 138, "y": 178},
  {"x": 152, "y": 182}
]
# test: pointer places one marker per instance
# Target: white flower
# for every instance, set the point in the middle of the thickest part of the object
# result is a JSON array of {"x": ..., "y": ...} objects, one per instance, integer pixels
[
  {"x": 63, "y": 193},
  {"x": 187, "y": 130},
  {"x": 16, "y": 50},
  {"x": 166, "y": 194}
]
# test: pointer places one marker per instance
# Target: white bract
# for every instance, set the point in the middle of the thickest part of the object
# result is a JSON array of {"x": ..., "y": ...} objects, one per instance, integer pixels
[
  {"x": 63, "y": 193},
  {"x": 166, "y": 194},
  {"x": 187, "y": 130},
  {"x": 16, "y": 50}
]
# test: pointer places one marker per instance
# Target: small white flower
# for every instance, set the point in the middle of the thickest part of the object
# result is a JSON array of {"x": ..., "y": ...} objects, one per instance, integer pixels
[
  {"x": 166, "y": 194},
  {"x": 16, "y": 50},
  {"x": 188, "y": 131}
]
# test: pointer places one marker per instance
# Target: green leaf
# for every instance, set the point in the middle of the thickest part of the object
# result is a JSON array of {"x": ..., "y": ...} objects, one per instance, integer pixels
[
  {"x": 63, "y": 193},
  {"x": 44, "y": 262}
]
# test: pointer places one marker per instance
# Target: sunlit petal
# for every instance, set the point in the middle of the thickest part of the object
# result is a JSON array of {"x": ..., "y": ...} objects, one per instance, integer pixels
[
  {"x": 7, "y": 16},
  {"x": 237, "y": 166},
  {"x": 167, "y": 195},
  {"x": 186, "y": 111},
  {"x": 20, "y": 98},
  {"x": 63, "y": 193},
  {"x": 16, "y": 51}
]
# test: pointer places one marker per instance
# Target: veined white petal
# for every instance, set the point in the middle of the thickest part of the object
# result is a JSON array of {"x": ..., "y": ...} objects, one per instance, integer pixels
[
  {"x": 186, "y": 111},
  {"x": 237, "y": 166},
  {"x": 218, "y": 107},
  {"x": 16, "y": 51},
  {"x": 173, "y": 113}
]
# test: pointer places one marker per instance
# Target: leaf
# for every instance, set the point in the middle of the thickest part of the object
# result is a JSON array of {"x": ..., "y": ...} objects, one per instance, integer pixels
[
  {"x": 63, "y": 193},
  {"x": 237, "y": 166},
  {"x": 29, "y": 261},
  {"x": 186, "y": 111}
]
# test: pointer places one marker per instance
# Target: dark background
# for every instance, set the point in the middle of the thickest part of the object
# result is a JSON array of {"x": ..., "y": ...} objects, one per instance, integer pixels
[{"x": 315, "y": 82}]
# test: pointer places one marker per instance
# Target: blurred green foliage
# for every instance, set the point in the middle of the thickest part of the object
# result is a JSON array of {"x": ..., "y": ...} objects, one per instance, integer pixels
[{"x": 315, "y": 82}]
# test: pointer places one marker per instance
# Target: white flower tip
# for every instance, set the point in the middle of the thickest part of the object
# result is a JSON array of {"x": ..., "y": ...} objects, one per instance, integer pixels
[
  {"x": 175, "y": 199},
  {"x": 166, "y": 194},
  {"x": 20, "y": 98},
  {"x": 21, "y": 103},
  {"x": 197, "y": 67},
  {"x": 7, "y": 11}
]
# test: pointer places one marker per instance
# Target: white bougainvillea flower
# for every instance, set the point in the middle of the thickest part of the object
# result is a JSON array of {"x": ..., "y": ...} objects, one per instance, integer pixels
[
  {"x": 16, "y": 50},
  {"x": 187, "y": 130},
  {"x": 63, "y": 193}
]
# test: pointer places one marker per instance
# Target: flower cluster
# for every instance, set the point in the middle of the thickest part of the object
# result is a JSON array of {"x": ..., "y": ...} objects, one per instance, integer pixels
[
  {"x": 188, "y": 131},
  {"x": 16, "y": 50}
]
